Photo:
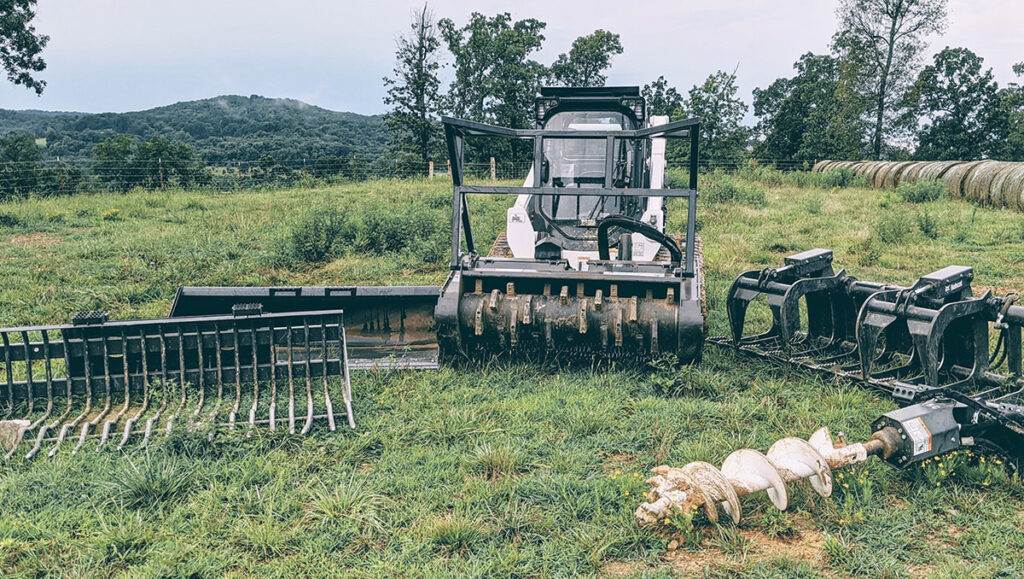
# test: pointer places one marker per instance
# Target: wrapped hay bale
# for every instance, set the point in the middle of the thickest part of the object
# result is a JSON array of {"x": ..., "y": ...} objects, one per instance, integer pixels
[
  {"x": 936, "y": 170},
  {"x": 818, "y": 167},
  {"x": 977, "y": 184},
  {"x": 955, "y": 178},
  {"x": 892, "y": 177}
]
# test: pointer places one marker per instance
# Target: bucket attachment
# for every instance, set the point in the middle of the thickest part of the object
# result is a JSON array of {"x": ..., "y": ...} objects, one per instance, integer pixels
[
  {"x": 110, "y": 380},
  {"x": 914, "y": 342},
  {"x": 389, "y": 326}
]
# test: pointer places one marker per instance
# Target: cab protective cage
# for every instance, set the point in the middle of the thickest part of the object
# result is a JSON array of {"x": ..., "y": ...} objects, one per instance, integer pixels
[{"x": 456, "y": 131}]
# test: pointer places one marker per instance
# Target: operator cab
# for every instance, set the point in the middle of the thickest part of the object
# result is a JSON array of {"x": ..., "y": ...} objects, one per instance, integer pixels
[{"x": 564, "y": 226}]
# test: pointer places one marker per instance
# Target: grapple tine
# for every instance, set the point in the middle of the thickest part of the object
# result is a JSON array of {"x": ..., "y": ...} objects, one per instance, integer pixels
[
  {"x": 220, "y": 375},
  {"x": 88, "y": 397},
  {"x": 127, "y": 392},
  {"x": 347, "y": 385}
]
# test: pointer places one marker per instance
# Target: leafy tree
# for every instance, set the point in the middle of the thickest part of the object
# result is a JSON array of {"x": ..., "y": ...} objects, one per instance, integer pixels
[
  {"x": 588, "y": 58},
  {"x": 121, "y": 164},
  {"x": 414, "y": 91},
  {"x": 495, "y": 78},
  {"x": 112, "y": 162},
  {"x": 721, "y": 111},
  {"x": 1008, "y": 121},
  {"x": 955, "y": 101},
  {"x": 20, "y": 165},
  {"x": 20, "y": 46},
  {"x": 883, "y": 40},
  {"x": 807, "y": 116},
  {"x": 661, "y": 98}
]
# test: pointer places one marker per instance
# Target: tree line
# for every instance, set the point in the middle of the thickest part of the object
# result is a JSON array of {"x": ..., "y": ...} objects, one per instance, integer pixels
[{"x": 871, "y": 96}]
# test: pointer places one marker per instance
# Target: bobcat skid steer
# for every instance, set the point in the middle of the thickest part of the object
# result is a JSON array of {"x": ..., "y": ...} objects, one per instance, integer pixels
[{"x": 584, "y": 270}]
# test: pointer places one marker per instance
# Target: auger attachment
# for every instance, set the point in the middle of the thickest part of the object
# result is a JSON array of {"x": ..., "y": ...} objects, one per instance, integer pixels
[
  {"x": 110, "y": 380},
  {"x": 909, "y": 341},
  {"x": 902, "y": 437}
]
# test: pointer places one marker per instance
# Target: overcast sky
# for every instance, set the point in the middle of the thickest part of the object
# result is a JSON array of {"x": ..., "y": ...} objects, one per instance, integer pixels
[{"x": 121, "y": 55}]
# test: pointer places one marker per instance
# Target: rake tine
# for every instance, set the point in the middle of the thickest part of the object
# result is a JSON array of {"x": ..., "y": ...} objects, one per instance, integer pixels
[
  {"x": 49, "y": 395},
  {"x": 127, "y": 392},
  {"x": 9, "y": 372},
  {"x": 202, "y": 378},
  {"x": 273, "y": 381},
  {"x": 323, "y": 359},
  {"x": 88, "y": 395},
  {"x": 238, "y": 380},
  {"x": 291, "y": 384},
  {"x": 255, "y": 382},
  {"x": 67, "y": 411},
  {"x": 220, "y": 376},
  {"x": 107, "y": 404},
  {"x": 145, "y": 392},
  {"x": 309, "y": 380},
  {"x": 347, "y": 385},
  {"x": 181, "y": 379},
  {"x": 163, "y": 388},
  {"x": 28, "y": 372}
]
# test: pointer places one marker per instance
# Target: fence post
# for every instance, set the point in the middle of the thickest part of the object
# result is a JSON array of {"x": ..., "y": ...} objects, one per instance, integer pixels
[
  {"x": 396, "y": 168},
  {"x": 430, "y": 169},
  {"x": 238, "y": 176},
  {"x": 160, "y": 170},
  {"x": 60, "y": 175},
  {"x": 355, "y": 168},
  {"x": 494, "y": 173},
  {"x": 449, "y": 168}
]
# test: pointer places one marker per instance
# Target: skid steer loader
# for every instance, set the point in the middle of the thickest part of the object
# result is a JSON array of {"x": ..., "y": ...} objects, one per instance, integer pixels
[{"x": 584, "y": 272}]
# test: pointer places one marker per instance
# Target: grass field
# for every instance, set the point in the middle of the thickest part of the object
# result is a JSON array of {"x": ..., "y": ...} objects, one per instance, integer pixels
[{"x": 506, "y": 470}]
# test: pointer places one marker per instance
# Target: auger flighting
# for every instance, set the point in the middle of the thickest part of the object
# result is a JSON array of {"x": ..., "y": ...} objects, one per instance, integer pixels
[{"x": 901, "y": 438}]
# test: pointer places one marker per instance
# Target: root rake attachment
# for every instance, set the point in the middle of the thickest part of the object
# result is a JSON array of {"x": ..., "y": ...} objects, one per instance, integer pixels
[{"x": 110, "y": 380}]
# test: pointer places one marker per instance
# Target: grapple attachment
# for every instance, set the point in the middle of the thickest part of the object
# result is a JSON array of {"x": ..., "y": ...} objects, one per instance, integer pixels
[
  {"x": 914, "y": 342},
  {"x": 109, "y": 380}
]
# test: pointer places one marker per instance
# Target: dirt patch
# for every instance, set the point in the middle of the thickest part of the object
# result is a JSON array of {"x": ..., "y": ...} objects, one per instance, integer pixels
[
  {"x": 807, "y": 547},
  {"x": 35, "y": 240}
]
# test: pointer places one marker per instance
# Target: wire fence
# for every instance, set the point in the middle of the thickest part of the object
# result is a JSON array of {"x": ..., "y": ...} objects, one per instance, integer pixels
[{"x": 56, "y": 177}]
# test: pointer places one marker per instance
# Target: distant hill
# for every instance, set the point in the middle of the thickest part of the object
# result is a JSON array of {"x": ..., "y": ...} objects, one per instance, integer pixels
[{"x": 222, "y": 129}]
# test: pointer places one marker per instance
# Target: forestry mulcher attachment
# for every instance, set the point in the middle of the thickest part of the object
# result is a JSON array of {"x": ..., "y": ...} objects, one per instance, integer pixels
[{"x": 584, "y": 272}]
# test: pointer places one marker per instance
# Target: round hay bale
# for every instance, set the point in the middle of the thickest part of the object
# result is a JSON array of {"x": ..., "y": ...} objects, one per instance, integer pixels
[
  {"x": 1013, "y": 188},
  {"x": 882, "y": 176},
  {"x": 870, "y": 170},
  {"x": 817, "y": 168},
  {"x": 862, "y": 169},
  {"x": 909, "y": 175},
  {"x": 977, "y": 185},
  {"x": 892, "y": 178},
  {"x": 998, "y": 192},
  {"x": 955, "y": 178},
  {"x": 936, "y": 170}
]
